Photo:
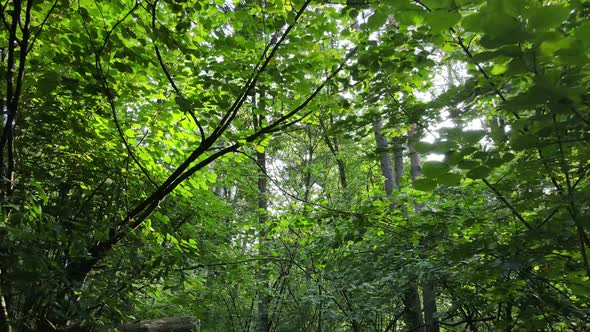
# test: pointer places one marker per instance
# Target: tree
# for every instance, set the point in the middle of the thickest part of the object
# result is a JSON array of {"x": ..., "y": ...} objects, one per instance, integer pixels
[
  {"x": 71, "y": 257},
  {"x": 133, "y": 178}
]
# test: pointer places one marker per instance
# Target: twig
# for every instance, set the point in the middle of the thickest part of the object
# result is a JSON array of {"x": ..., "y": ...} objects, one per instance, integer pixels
[
  {"x": 108, "y": 35},
  {"x": 111, "y": 101},
  {"x": 258, "y": 70},
  {"x": 169, "y": 77},
  {"x": 42, "y": 25},
  {"x": 508, "y": 205}
]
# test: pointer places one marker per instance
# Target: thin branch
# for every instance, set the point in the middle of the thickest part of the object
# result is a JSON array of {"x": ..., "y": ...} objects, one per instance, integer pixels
[
  {"x": 111, "y": 101},
  {"x": 584, "y": 240},
  {"x": 406, "y": 113},
  {"x": 110, "y": 32},
  {"x": 277, "y": 122},
  {"x": 295, "y": 197},
  {"x": 144, "y": 209},
  {"x": 548, "y": 218},
  {"x": 14, "y": 91},
  {"x": 508, "y": 205},
  {"x": 467, "y": 52},
  {"x": 118, "y": 126},
  {"x": 486, "y": 319},
  {"x": 583, "y": 172},
  {"x": 258, "y": 70},
  {"x": 2, "y": 10},
  {"x": 576, "y": 112},
  {"x": 248, "y": 260},
  {"x": 169, "y": 77},
  {"x": 42, "y": 25},
  {"x": 263, "y": 131}
]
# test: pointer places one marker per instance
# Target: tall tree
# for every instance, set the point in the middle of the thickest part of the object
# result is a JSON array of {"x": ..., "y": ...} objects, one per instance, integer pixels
[
  {"x": 428, "y": 291},
  {"x": 263, "y": 323},
  {"x": 411, "y": 298}
]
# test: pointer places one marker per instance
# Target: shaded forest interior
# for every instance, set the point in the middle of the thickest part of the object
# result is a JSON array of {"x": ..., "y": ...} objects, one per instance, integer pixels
[{"x": 295, "y": 165}]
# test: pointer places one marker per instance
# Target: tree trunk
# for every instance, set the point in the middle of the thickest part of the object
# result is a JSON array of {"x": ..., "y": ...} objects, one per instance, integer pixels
[
  {"x": 262, "y": 275},
  {"x": 398, "y": 161},
  {"x": 429, "y": 299},
  {"x": 413, "y": 314},
  {"x": 428, "y": 293},
  {"x": 384, "y": 157},
  {"x": 262, "y": 184},
  {"x": 334, "y": 149},
  {"x": 4, "y": 317},
  {"x": 411, "y": 298}
]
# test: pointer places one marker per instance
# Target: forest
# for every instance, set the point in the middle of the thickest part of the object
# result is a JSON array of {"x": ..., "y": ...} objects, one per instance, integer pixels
[{"x": 295, "y": 165}]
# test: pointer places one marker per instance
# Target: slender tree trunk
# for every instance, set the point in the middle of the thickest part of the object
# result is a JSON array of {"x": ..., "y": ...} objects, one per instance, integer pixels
[
  {"x": 430, "y": 310},
  {"x": 307, "y": 164},
  {"x": 413, "y": 314},
  {"x": 411, "y": 300},
  {"x": 335, "y": 150},
  {"x": 428, "y": 292},
  {"x": 5, "y": 325},
  {"x": 384, "y": 157},
  {"x": 262, "y": 184},
  {"x": 262, "y": 275},
  {"x": 508, "y": 318},
  {"x": 15, "y": 56},
  {"x": 398, "y": 161}
]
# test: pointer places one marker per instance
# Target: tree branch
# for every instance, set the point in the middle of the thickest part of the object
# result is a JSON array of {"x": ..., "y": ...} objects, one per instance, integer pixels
[
  {"x": 42, "y": 25},
  {"x": 258, "y": 70},
  {"x": 110, "y": 32},
  {"x": 508, "y": 205},
  {"x": 143, "y": 210},
  {"x": 110, "y": 98},
  {"x": 169, "y": 77}
]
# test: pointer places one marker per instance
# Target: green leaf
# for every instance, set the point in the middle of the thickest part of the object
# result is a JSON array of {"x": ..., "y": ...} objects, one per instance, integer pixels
[
  {"x": 411, "y": 17},
  {"x": 424, "y": 184},
  {"x": 442, "y": 20},
  {"x": 473, "y": 22},
  {"x": 552, "y": 46},
  {"x": 485, "y": 56},
  {"x": 480, "y": 172},
  {"x": 450, "y": 179},
  {"x": 523, "y": 141},
  {"x": 472, "y": 136},
  {"x": 434, "y": 168},
  {"x": 423, "y": 147},
  {"x": 468, "y": 164},
  {"x": 453, "y": 158},
  {"x": 498, "y": 69},
  {"x": 547, "y": 16},
  {"x": 582, "y": 34},
  {"x": 507, "y": 157},
  {"x": 443, "y": 146},
  {"x": 377, "y": 19},
  {"x": 494, "y": 162}
]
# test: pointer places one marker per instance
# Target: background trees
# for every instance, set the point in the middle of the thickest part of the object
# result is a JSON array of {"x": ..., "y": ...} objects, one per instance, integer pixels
[{"x": 132, "y": 151}]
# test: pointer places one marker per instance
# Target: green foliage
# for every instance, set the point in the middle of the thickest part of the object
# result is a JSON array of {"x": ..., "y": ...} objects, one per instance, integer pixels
[{"x": 133, "y": 185}]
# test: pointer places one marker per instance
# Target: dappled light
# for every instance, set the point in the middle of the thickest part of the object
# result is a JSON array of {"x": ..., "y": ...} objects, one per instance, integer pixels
[{"x": 295, "y": 165}]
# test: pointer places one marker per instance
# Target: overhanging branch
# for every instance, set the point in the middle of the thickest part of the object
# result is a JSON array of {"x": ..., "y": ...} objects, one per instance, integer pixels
[{"x": 143, "y": 210}]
